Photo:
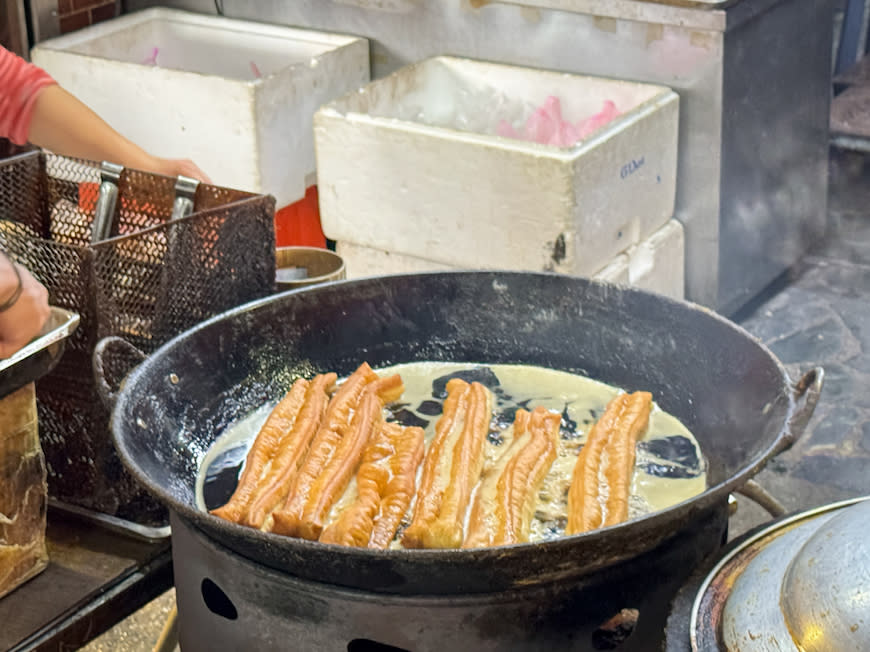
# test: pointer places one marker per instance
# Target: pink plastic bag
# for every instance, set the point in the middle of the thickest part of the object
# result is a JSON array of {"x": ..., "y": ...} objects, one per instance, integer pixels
[
  {"x": 547, "y": 127},
  {"x": 590, "y": 125},
  {"x": 506, "y": 130},
  {"x": 151, "y": 59}
]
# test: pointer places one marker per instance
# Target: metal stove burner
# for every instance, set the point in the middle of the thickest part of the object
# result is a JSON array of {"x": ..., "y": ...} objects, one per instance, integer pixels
[{"x": 226, "y": 601}]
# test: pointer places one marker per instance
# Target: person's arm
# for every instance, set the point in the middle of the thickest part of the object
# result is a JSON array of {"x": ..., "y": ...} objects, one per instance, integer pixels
[
  {"x": 64, "y": 125},
  {"x": 33, "y": 108},
  {"x": 23, "y": 306}
]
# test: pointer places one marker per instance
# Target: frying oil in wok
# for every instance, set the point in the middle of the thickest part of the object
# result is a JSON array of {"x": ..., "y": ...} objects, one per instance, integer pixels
[{"x": 669, "y": 467}]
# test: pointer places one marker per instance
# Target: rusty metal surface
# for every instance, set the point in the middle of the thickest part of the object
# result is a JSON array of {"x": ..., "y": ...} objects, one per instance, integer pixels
[{"x": 150, "y": 281}]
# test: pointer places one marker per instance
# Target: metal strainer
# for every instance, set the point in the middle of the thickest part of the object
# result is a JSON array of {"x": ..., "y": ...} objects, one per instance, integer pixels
[{"x": 152, "y": 278}]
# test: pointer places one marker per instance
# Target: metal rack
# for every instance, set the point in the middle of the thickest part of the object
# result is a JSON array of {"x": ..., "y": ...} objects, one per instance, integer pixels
[{"x": 136, "y": 271}]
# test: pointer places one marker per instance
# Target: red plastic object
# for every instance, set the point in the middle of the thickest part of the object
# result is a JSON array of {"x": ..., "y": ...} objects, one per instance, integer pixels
[
  {"x": 298, "y": 224},
  {"x": 88, "y": 193}
]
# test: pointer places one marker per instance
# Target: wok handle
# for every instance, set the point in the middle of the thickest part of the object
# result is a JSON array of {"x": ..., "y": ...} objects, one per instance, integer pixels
[
  {"x": 806, "y": 396},
  {"x": 113, "y": 358},
  {"x": 763, "y": 498}
]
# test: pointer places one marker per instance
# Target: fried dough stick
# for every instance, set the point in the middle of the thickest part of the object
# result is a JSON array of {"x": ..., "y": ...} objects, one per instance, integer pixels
[
  {"x": 609, "y": 448},
  {"x": 273, "y": 481},
  {"x": 266, "y": 445},
  {"x": 385, "y": 486},
  {"x": 452, "y": 468},
  {"x": 505, "y": 502},
  {"x": 335, "y": 452}
]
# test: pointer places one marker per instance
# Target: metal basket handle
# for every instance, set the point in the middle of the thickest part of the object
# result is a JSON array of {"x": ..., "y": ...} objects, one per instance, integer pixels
[{"x": 113, "y": 358}]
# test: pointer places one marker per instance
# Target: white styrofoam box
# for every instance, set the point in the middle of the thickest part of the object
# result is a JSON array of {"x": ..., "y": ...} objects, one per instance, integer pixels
[
  {"x": 236, "y": 97},
  {"x": 616, "y": 271},
  {"x": 409, "y": 164},
  {"x": 656, "y": 263},
  {"x": 361, "y": 261}
]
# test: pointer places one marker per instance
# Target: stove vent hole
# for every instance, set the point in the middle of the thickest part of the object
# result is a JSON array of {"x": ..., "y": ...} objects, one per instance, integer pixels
[
  {"x": 365, "y": 645},
  {"x": 217, "y": 601},
  {"x": 612, "y": 633}
]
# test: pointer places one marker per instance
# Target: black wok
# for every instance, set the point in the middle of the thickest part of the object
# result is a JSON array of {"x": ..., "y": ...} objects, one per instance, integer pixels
[{"x": 731, "y": 392}]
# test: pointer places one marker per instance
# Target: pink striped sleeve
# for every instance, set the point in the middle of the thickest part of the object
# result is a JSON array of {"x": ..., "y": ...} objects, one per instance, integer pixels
[{"x": 20, "y": 84}]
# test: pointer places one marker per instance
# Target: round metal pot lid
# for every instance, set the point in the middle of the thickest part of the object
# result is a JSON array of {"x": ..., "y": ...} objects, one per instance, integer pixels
[{"x": 801, "y": 584}]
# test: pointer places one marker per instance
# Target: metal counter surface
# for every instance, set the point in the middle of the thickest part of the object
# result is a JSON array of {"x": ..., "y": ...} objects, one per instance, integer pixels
[{"x": 95, "y": 578}]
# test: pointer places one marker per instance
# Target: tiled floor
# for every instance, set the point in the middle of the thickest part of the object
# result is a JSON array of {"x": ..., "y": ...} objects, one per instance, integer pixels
[
  {"x": 818, "y": 315},
  {"x": 138, "y": 633},
  {"x": 821, "y": 316}
]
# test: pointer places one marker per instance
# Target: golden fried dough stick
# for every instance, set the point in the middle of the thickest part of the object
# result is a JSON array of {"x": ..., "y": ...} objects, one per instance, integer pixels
[
  {"x": 276, "y": 428},
  {"x": 274, "y": 481},
  {"x": 505, "y": 502},
  {"x": 335, "y": 423},
  {"x": 611, "y": 439},
  {"x": 452, "y": 468},
  {"x": 335, "y": 452},
  {"x": 621, "y": 453},
  {"x": 388, "y": 389},
  {"x": 584, "y": 506},
  {"x": 331, "y": 482},
  {"x": 385, "y": 486},
  {"x": 400, "y": 489}
]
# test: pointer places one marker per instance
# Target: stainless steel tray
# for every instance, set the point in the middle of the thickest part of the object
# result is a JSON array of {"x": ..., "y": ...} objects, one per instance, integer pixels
[
  {"x": 41, "y": 355},
  {"x": 146, "y": 533}
]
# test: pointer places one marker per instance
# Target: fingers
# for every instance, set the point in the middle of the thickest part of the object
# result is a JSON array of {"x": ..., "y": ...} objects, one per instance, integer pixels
[
  {"x": 190, "y": 169},
  {"x": 26, "y": 317},
  {"x": 182, "y": 167}
]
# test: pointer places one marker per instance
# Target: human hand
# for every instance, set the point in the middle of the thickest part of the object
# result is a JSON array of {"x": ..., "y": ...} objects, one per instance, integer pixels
[
  {"x": 179, "y": 167},
  {"x": 24, "y": 319}
]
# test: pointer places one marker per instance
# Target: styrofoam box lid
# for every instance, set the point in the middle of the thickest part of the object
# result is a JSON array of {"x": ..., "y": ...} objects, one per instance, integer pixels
[
  {"x": 208, "y": 45},
  {"x": 465, "y": 98}
]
